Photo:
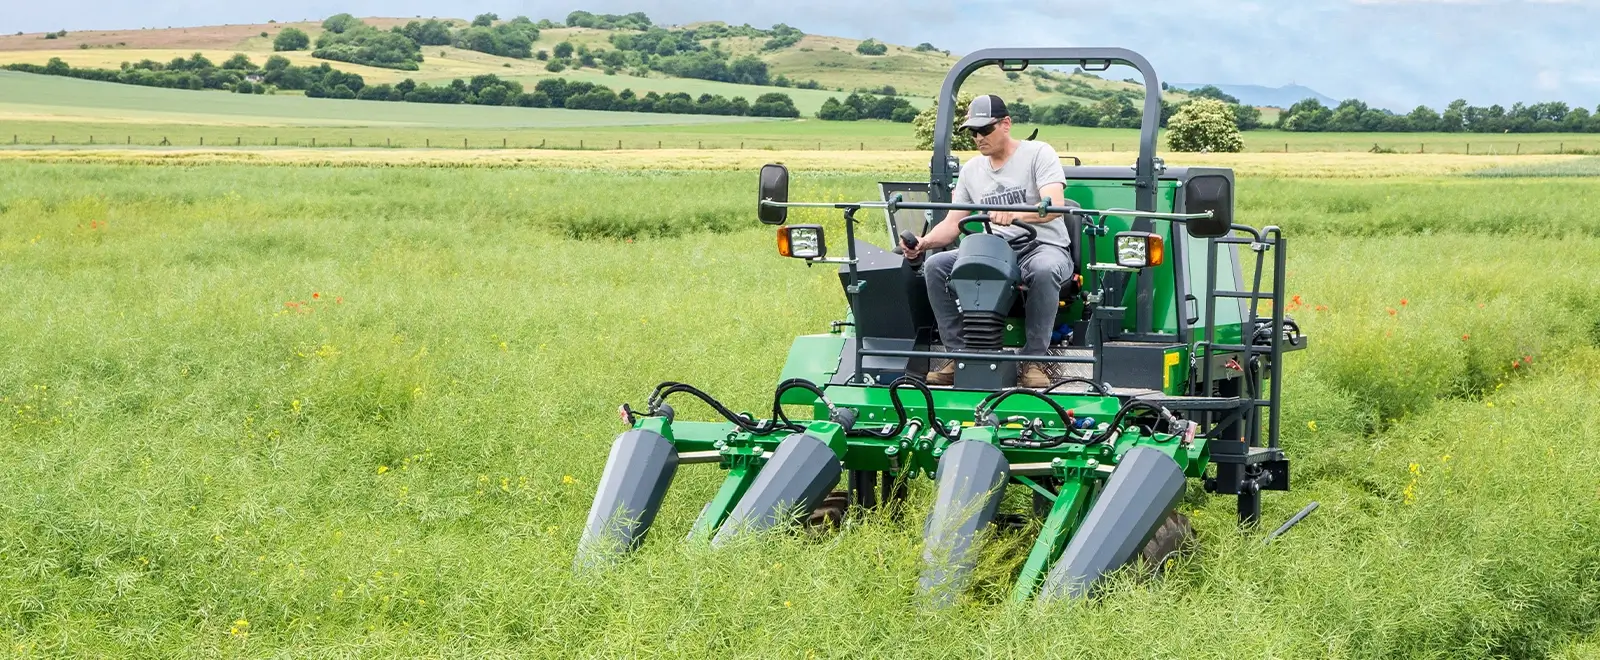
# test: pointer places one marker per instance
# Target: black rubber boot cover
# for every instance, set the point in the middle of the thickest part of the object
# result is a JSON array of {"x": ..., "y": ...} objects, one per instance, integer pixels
[
  {"x": 793, "y": 482},
  {"x": 1140, "y": 493},
  {"x": 971, "y": 482},
  {"x": 636, "y": 477}
]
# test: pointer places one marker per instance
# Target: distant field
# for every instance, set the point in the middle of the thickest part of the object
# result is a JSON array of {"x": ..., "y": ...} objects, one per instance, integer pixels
[
  {"x": 454, "y": 63},
  {"x": 42, "y": 110},
  {"x": 27, "y": 97},
  {"x": 806, "y": 164}
]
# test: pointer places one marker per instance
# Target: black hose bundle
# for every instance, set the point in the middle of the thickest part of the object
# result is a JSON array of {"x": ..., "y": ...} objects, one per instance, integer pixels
[
  {"x": 656, "y": 405},
  {"x": 984, "y": 414},
  {"x": 1131, "y": 407}
]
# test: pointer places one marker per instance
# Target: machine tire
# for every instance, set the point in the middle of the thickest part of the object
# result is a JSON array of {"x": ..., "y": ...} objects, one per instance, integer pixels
[
  {"x": 1174, "y": 537},
  {"x": 829, "y": 515}
]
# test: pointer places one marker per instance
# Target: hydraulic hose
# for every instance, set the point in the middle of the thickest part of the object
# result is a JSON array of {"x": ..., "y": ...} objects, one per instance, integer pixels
[
  {"x": 745, "y": 422},
  {"x": 1116, "y": 422},
  {"x": 984, "y": 414}
]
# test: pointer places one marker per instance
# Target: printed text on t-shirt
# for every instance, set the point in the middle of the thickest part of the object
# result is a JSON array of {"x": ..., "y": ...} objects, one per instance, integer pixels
[{"x": 1005, "y": 197}]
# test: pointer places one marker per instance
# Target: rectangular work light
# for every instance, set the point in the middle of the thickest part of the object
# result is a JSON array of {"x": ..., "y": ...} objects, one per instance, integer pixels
[
  {"x": 1139, "y": 249},
  {"x": 802, "y": 242}
]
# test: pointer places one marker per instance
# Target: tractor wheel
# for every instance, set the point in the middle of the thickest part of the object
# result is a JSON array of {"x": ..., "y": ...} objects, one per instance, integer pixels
[
  {"x": 1174, "y": 537},
  {"x": 829, "y": 515}
]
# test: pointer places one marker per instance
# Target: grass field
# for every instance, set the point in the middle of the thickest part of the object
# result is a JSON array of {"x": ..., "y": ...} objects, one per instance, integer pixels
[
  {"x": 42, "y": 110},
  {"x": 272, "y": 410}
]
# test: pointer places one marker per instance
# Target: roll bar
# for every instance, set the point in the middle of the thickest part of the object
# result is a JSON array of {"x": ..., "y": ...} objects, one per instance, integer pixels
[{"x": 942, "y": 177}]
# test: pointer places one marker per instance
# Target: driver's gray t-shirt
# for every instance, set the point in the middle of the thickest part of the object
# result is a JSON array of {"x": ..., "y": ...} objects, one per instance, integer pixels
[{"x": 1031, "y": 167}]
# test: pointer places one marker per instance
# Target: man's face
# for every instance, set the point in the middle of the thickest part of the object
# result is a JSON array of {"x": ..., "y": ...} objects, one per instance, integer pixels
[{"x": 995, "y": 141}]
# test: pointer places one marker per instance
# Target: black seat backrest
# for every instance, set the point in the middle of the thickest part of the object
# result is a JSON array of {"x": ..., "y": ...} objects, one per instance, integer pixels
[{"x": 1075, "y": 235}]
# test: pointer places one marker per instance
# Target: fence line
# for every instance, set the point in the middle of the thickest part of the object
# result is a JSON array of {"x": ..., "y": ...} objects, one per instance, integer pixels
[{"x": 735, "y": 142}]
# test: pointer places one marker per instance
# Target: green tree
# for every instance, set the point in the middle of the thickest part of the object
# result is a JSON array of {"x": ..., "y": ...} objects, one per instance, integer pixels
[
  {"x": 1423, "y": 118},
  {"x": 239, "y": 62},
  {"x": 563, "y": 50},
  {"x": 1204, "y": 125},
  {"x": 484, "y": 20},
  {"x": 291, "y": 39},
  {"x": 922, "y": 126},
  {"x": 1247, "y": 117},
  {"x": 341, "y": 23},
  {"x": 871, "y": 47},
  {"x": 1214, "y": 92},
  {"x": 428, "y": 33}
]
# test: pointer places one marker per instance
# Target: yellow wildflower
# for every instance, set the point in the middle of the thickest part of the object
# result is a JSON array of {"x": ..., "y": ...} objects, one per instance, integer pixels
[
  {"x": 382, "y": 469},
  {"x": 568, "y": 480},
  {"x": 1312, "y": 425}
]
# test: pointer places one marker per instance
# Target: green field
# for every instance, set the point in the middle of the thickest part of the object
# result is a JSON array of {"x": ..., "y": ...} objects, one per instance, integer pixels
[
  {"x": 43, "y": 97},
  {"x": 42, "y": 110},
  {"x": 279, "y": 411}
]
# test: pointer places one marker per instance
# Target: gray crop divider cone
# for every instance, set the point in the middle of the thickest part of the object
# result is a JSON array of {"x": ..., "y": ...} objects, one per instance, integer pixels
[
  {"x": 971, "y": 482},
  {"x": 1140, "y": 493},
  {"x": 793, "y": 482},
  {"x": 636, "y": 477}
]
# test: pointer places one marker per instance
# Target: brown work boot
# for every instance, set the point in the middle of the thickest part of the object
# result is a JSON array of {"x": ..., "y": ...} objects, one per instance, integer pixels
[
  {"x": 946, "y": 375},
  {"x": 1033, "y": 377}
]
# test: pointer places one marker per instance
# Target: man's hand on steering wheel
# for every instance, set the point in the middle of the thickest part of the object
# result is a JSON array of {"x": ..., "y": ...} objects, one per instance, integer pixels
[{"x": 1005, "y": 218}]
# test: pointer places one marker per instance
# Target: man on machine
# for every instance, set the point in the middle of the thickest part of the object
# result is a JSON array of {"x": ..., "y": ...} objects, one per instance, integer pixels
[{"x": 1008, "y": 171}]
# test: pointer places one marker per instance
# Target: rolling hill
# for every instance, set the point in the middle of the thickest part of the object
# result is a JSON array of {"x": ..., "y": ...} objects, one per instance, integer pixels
[{"x": 831, "y": 61}]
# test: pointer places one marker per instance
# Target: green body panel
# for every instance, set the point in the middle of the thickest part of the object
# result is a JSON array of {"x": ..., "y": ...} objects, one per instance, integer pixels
[
  {"x": 814, "y": 358},
  {"x": 1111, "y": 194}
]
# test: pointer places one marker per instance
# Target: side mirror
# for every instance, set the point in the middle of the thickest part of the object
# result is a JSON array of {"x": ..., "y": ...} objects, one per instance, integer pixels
[
  {"x": 1212, "y": 193},
  {"x": 774, "y": 188}
]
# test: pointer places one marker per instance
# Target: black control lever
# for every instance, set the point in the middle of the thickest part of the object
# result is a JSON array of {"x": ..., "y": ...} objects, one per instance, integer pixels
[{"x": 910, "y": 240}]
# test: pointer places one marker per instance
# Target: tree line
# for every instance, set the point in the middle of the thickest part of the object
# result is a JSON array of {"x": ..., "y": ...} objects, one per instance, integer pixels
[
  {"x": 240, "y": 74},
  {"x": 236, "y": 74},
  {"x": 489, "y": 89},
  {"x": 1353, "y": 115},
  {"x": 866, "y": 105}
]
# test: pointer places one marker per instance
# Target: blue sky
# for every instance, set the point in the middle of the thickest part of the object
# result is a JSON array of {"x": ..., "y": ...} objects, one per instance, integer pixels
[{"x": 1392, "y": 53}]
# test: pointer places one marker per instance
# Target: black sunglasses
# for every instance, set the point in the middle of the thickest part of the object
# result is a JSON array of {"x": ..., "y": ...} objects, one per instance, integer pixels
[{"x": 984, "y": 130}]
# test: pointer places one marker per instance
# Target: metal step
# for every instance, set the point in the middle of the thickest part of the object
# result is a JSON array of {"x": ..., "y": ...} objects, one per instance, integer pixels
[{"x": 1059, "y": 371}]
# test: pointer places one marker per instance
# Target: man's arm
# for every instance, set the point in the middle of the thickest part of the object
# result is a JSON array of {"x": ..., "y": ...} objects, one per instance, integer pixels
[
  {"x": 1053, "y": 193},
  {"x": 941, "y": 235}
]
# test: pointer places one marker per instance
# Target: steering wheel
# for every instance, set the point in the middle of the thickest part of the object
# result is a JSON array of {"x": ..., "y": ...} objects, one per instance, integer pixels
[{"x": 1029, "y": 234}]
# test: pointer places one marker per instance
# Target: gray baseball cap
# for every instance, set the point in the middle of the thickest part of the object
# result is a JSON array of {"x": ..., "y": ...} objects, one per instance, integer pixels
[{"x": 985, "y": 110}]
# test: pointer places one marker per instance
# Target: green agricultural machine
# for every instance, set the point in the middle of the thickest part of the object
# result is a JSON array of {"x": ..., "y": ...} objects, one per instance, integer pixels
[{"x": 1167, "y": 362}]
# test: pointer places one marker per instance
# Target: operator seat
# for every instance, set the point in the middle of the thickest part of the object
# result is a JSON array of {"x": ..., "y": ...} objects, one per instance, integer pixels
[{"x": 1070, "y": 288}]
